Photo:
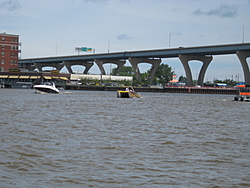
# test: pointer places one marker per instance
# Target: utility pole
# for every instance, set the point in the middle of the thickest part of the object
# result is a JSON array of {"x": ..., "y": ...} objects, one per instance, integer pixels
[
  {"x": 243, "y": 33},
  {"x": 169, "y": 39},
  {"x": 108, "y": 45}
]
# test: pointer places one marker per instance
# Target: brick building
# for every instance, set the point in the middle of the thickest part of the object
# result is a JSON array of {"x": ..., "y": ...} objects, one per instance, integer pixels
[{"x": 9, "y": 50}]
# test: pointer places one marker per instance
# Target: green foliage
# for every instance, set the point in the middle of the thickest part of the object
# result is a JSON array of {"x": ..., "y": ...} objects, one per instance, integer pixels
[
  {"x": 218, "y": 81},
  {"x": 182, "y": 79},
  {"x": 125, "y": 71},
  {"x": 125, "y": 82},
  {"x": 163, "y": 74},
  {"x": 86, "y": 80},
  {"x": 144, "y": 78},
  {"x": 229, "y": 82}
]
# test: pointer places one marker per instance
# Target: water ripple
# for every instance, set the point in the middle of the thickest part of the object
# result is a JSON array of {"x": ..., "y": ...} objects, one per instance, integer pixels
[{"x": 93, "y": 139}]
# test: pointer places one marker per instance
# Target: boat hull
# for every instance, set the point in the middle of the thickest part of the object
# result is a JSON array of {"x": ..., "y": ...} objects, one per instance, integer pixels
[
  {"x": 46, "y": 89},
  {"x": 127, "y": 94},
  {"x": 243, "y": 94}
]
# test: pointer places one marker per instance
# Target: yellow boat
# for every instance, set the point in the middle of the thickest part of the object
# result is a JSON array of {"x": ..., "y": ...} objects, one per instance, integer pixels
[{"x": 128, "y": 94}]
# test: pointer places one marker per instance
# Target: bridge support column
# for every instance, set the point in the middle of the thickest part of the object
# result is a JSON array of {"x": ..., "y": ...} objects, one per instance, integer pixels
[
  {"x": 154, "y": 62},
  {"x": 243, "y": 55},
  {"x": 87, "y": 65},
  {"x": 29, "y": 67},
  {"x": 186, "y": 58},
  {"x": 100, "y": 63},
  {"x": 39, "y": 66}
]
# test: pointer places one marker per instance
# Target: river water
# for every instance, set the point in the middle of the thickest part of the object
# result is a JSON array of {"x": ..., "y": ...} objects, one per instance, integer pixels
[{"x": 93, "y": 139}]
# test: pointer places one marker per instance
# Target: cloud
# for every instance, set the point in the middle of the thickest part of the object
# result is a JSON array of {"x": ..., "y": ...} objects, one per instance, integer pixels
[
  {"x": 223, "y": 11},
  {"x": 176, "y": 10},
  {"x": 124, "y": 37},
  {"x": 103, "y": 1},
  {"x": 10, "y": 5},
  {"x": 95, "y": 1},
  {"x": 125, "y": 1}
]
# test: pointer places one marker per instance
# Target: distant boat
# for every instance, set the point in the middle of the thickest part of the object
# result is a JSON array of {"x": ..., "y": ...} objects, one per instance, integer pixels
[
  {"x": 241, "y": 84},
  {"x": 243, "y": 94},
  {"x": 47, "y": 87},
  {"x": 128, "y": 94}
]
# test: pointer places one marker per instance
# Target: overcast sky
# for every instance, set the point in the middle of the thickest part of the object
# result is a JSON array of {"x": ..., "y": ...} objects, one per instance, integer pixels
[{"x": 56, "y": 27}]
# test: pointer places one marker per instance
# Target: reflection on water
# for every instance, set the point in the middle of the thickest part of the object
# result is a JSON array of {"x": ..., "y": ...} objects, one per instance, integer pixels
[{"x": 93, "y": 139}]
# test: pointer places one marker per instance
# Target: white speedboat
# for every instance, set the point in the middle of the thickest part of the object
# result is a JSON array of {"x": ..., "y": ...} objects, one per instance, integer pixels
[{"x": 48, "y": 87}]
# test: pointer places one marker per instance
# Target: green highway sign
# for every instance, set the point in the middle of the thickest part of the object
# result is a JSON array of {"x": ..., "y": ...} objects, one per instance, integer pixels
[{"x": 85, "y": 49}]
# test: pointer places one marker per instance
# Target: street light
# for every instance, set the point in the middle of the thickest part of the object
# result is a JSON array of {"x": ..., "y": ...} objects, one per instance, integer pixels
[{"x": 108, "y": 45}]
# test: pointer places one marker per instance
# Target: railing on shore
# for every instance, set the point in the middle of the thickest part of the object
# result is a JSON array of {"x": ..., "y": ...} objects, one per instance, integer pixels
[
  {"x": 201, "y": 90},
  {"x": 170, "y": 89}
]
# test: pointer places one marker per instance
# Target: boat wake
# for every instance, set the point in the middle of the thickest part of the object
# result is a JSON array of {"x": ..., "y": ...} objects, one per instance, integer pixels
[{"x": 66, "y": 92}]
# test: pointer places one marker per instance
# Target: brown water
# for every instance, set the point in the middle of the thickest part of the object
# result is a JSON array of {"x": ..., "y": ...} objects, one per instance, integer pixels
[{"x": 93, "y": 139}]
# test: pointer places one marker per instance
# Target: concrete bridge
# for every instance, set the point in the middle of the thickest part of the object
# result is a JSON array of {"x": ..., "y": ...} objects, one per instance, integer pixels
[{"x": 185, "y": 54}]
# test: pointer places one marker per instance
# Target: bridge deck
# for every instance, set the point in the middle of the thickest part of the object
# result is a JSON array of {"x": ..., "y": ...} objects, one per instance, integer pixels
[{"x": 157, "y": 53}]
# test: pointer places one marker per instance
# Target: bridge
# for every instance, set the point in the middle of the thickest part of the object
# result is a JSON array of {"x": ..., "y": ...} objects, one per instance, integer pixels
[{"x": 185, "y": 54}]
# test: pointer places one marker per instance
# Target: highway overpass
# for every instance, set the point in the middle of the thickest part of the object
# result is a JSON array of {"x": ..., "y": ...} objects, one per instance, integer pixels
[{"x": 185, "y": 54}]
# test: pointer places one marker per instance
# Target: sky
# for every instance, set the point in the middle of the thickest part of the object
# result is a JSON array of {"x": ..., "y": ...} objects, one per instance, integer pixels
[{"x": 50, "y": 28}]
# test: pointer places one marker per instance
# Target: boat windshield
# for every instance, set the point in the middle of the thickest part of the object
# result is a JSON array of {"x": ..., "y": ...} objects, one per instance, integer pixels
[
  {"x": 48, "y": 83},
  {"x": 244, "y": 89}
]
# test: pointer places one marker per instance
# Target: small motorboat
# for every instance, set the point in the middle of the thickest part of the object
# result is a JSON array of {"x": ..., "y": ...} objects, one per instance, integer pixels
[
  {"x": 243, "y": 94},
  {"x": 47, "y": 87},
  {"x": 128, "y": 94}
]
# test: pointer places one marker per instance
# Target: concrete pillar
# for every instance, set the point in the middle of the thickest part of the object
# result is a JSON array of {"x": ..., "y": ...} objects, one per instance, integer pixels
[
  {"x": 100, "y": 63},
  {"x": 58, "y": 66},
  {"x": 39, "y": 66},
  {"x": 100, "y": 66},
  {"x": 119, "y": 64},
  {"x": 134, "y": 62},
  {"x": 186, "y": 58},
  {"x": 32, "y": 68},
  {"x": 29, "y": 67},
  {"x": 154, "y": 62},
  {"x": 243, "y": 55},
  {"x": 68, "y": 66},
  {"x": 87, "y": 65}
]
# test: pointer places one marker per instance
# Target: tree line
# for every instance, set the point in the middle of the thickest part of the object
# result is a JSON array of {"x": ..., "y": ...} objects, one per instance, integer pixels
[{"x": 163, "y": 75}]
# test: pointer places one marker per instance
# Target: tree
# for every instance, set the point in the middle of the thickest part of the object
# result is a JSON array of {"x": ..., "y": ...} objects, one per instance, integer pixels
[
  {"x": 229, "y": 82},
  {"x": 163, "y": 74},
  {"x": 218, "y": 81},
  {"x": 125, "y": 71},
  {"x": 182, "y": 79}
]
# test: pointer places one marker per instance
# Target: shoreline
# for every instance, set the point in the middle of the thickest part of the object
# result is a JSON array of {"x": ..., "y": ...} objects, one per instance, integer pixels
[
  {"x": 184, "y": 89},
  {"x": 204, "y": 90}
]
